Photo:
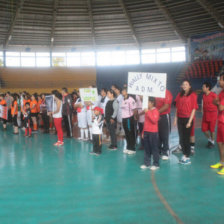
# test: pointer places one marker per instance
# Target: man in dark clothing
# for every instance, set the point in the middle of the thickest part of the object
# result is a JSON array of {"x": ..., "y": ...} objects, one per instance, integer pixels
[{"x": 67, "y": 111}]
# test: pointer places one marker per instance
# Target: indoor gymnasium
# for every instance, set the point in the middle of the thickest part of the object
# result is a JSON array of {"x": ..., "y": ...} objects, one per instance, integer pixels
[{"x": 111, "y": 111}]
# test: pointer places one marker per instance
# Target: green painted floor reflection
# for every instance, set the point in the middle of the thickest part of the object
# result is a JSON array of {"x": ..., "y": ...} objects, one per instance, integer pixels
[{"x": 40, "y": 183}]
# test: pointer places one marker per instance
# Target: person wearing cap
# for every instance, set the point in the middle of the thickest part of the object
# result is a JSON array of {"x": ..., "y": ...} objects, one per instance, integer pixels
[{"x": 97, "y": 131}]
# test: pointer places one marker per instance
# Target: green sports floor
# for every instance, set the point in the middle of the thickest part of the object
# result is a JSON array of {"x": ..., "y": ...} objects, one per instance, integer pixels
[{"x": 40, "y": 183}]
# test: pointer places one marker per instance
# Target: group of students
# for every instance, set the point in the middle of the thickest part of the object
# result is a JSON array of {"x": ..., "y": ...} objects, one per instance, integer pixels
[{"x": 118, "y": 113}]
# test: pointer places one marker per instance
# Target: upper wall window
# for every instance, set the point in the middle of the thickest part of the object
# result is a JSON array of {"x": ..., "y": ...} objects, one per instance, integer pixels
[
  {"x": 178, "y": 54},
  {"x": 13, "y": 59},
  {"x": 43, "y": 59}
]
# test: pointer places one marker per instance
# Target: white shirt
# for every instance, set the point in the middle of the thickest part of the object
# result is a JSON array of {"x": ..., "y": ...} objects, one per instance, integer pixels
[{"x": 59, "y": 114}]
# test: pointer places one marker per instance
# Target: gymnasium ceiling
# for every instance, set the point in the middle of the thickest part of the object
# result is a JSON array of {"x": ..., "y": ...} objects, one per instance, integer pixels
[{"x": 97, "y": 23}]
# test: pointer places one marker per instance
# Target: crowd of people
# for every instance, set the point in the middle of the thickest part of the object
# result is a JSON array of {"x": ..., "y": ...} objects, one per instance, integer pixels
[{"x": 116, "y": 114}]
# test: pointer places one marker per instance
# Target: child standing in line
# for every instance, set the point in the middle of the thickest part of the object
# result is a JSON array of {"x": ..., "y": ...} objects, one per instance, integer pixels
[
  {"x": 97, "y": 131},
  {"x": 150, "y": 134},
  {"x": 27, "y": 120}
]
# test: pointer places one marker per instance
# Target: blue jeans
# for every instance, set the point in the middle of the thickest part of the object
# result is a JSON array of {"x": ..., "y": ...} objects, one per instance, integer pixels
[{"x": 151, "y": 146}]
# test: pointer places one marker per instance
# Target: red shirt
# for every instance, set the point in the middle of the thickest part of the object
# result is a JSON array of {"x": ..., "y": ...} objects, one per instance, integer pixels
[
  {"x": 221, "y": 113},
  {"x": 167, "y": 100},
  {"x": 210, "y": 111},
  {"x": 208, "y": 105},
  {"x": 185, "y": 104},
  {"x": 151, "y": 120}
]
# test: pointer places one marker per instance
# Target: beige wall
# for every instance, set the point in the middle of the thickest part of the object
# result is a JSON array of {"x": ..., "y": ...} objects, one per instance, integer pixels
[{"x": 45, "y": 79}]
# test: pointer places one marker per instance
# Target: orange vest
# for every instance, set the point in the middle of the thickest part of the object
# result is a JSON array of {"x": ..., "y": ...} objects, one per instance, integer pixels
[
  {"x": 14, "y": 108},
  {"x": 32, "y": 103},
  {"x": 3, "y": 103}
]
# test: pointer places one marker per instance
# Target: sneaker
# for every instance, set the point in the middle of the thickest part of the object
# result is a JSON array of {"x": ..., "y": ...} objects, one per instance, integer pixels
[
  {"x": 60, "y": 143},
  {"x": 221, "y": 172},
  {"x": 125, "y": 151},
  {"x": 177, "y": 150},
  {"x": 165, "y": 157},
  {"x": 94, "y": 154},
  {"x": 185, "y": 161},
  {"x": 144, "y": 167},
  {"x": 80, "y": 138},
  {"x": 131, "y": 152},
  {"x": 112, "y": 147},
  {"x": 211, "y": 145},
  {"x": 192, "y": 152},
  {"x": 56, "y": 144},
  {"x": 216, "y": 166},
  {"x": 154, "y": 168}
]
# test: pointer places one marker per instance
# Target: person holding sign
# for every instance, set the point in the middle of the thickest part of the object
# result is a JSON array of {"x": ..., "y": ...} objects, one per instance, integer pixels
[
  {"x": 186, "y": 106},
  {"x": 150, "y": 135},
  {"x": 164, "y": 106},
  {"x": 128, "y": 111},
  {"x": 3, "y": 104}
]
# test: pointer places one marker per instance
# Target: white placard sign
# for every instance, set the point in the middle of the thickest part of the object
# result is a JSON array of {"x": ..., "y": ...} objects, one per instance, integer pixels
[
  {"x": 145, "y": 102},
  {"x": 147, "y": 84},
  {"x": 88, "y": 94}
]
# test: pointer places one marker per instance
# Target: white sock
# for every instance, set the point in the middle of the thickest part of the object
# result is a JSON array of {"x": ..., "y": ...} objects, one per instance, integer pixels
[
  {"x": 213, "y": 142},
  {"x": 90, "y": 133},
  {"x": 82, "y": 133},
  {"x": 209, "y": 139},
  {"x": 86, "y": 133}
]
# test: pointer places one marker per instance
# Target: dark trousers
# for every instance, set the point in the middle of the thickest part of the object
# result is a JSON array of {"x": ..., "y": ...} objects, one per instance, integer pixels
[
  {"x": 9, "y": 116},
  {"x": 141, "y": 126},
  {"x": 151, "y": 146},
  {"x": 129, "y": 129},
  {"x": 67, "y": 119},
  {"x": 184, "y": 135},
  {"x": 97, "y": 143},
  {"x": 112, "y": 130},
  {"x": 14, "y": 119},
  {"x": 46, "y": 123},
  {"x": 164, "y": 126}
]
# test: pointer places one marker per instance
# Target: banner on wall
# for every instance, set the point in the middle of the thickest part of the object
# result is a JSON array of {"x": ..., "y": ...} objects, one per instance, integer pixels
[
  {"x": 147, "y": 84},
  {"x": 88, "y": 94},
  {"x": 3, "y": 112},
  {"x": 207, "y": 47},
  {"x": 49, "y": 103}
]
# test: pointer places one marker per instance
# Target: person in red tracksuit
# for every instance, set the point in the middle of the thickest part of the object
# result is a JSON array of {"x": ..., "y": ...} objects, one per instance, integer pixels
[
  {"x": 150, "y": 134},
  {"x": 210, "y": 114},
  {"x": 219, "y": 102},
  {"x": 186, "y": 106}
]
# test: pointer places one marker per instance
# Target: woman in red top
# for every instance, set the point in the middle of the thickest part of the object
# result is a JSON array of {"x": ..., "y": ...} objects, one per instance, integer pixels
[
  {"x": 33, "y": 108},
  {"x": 4, "y": 104},
  {"x": 186, "y": 106},
  {"x": 14, "y": 113}
]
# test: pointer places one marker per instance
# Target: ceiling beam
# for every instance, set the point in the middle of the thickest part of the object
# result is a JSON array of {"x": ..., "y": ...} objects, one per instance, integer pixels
[
  {"x": 172, "y": 22},
  {"x": 134, "y": 35},
  {"x": 55, "y": 8},
  {"x": 213, "y": 12},
  {"x": 89, "y": 5},
  {"x": 12, "y": 25}
]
